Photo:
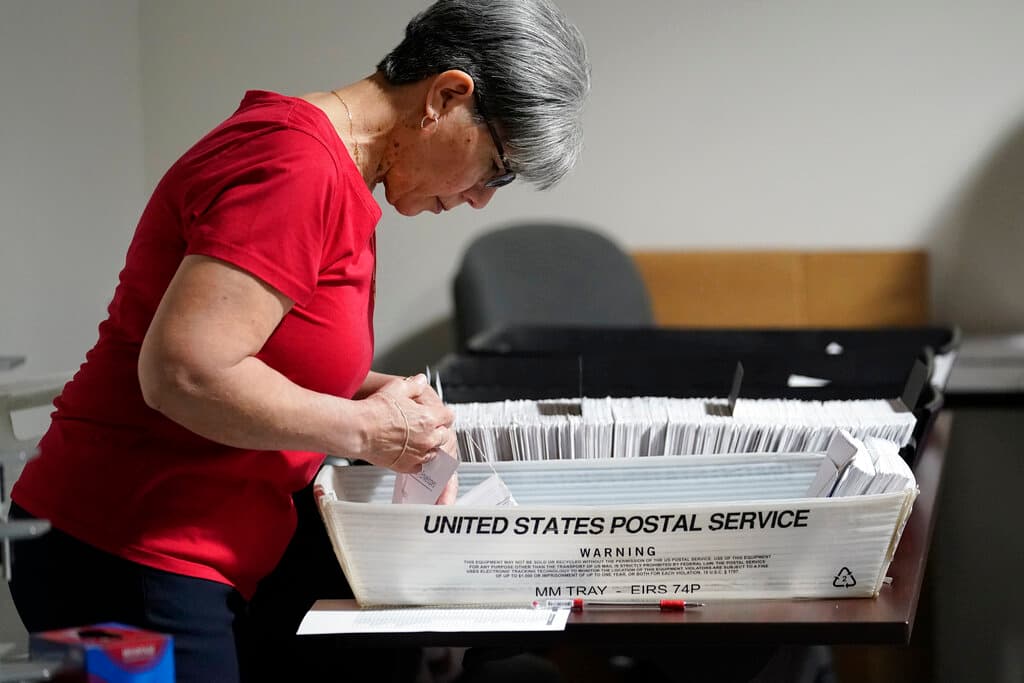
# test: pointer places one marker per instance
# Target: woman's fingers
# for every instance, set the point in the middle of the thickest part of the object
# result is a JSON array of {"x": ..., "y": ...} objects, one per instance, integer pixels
[
  {"x": 416, "y": 388},
  {"x": 410, "y": 387},
  {"x": 429, "y": 397},
  {"x": 450, "y": 492},
  {"x": 409, "y": 432},
  {"x": 450, "y": 445},
  {"x": 426, "y": 449}
]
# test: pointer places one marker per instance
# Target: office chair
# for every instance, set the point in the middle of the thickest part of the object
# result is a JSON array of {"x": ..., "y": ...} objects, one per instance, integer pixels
[
  {"x": 35, "y": 392},
  {"x": 15, "y": 450},
  {"x": 547, "y": 274}
]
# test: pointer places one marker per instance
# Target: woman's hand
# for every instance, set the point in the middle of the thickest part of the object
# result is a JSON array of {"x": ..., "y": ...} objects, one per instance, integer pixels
[{"x": 409, "y": 424}]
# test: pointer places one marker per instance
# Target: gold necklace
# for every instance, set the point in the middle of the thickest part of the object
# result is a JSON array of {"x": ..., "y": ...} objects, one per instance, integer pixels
[{"x": 351, "y": 128}]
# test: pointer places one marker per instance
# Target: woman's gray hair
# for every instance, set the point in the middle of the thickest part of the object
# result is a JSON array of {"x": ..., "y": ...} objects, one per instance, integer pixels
[{"x": 529, "y": 66}]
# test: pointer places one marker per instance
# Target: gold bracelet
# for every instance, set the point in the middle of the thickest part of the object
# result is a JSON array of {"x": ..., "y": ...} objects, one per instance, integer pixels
[{"x": 404, "y": 419}]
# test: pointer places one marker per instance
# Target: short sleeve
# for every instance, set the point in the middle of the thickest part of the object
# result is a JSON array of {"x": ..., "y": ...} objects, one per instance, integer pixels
[{"x": 266, "y": 207}]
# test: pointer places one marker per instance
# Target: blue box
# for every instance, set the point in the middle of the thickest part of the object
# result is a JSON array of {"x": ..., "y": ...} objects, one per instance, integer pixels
[{"x": 107, "y": 653}]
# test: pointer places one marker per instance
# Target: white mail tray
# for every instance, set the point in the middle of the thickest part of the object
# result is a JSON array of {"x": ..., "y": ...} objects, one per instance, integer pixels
[{"x": 691, "y": 527}]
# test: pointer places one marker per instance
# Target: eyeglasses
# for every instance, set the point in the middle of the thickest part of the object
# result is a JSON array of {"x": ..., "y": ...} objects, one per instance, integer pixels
[{"x": 506, "y": 176}]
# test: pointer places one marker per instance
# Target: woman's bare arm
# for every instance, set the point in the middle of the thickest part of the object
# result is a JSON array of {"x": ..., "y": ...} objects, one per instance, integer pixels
[{"x": 198, "y": 367}]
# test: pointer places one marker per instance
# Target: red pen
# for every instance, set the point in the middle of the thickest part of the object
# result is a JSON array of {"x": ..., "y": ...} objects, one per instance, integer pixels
[{"x": 579, "y": 604}]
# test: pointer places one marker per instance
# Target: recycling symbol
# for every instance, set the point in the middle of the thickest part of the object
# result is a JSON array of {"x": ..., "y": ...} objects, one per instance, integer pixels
[{"x": 844, "y": 579}]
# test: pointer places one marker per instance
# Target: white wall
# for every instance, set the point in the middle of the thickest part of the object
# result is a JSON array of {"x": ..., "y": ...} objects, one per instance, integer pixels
[
  {"x": 71, "y": 172},
  {"x": 731, "y": 124},
  {"x": 796, "y": 124},
  {"x": 71, "y": 184}
]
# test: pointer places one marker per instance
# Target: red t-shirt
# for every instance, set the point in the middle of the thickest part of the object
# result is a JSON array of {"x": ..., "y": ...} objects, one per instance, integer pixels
[{"x": 273, "y": 191}]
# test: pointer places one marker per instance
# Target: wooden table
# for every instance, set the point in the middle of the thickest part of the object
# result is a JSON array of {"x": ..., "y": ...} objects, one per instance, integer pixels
[{"x": 887, "y": 619}]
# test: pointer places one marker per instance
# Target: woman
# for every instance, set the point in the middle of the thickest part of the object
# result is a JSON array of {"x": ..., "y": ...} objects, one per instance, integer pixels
[{"x": 238, "y": 343}]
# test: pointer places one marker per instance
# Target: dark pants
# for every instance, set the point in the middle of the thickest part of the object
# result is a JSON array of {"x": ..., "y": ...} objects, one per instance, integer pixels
[{"x": 60, "y": 582}]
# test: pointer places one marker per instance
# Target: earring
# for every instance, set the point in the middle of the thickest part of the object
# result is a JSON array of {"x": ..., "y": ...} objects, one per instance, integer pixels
[{"x": 436, "y": 120}]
